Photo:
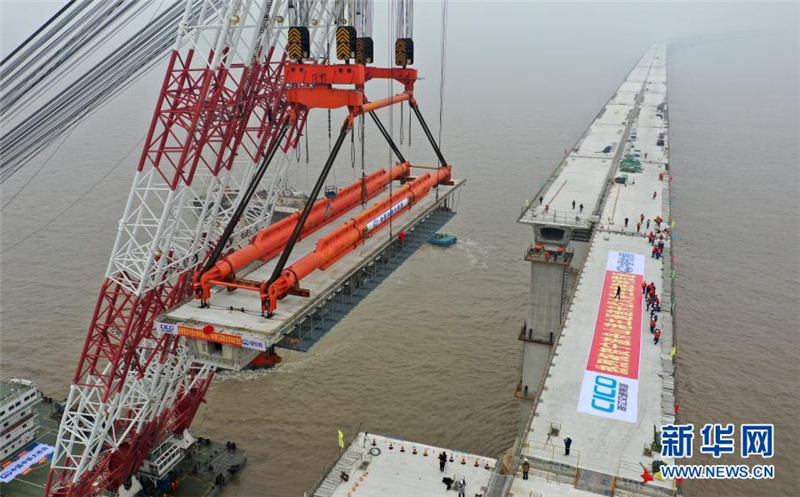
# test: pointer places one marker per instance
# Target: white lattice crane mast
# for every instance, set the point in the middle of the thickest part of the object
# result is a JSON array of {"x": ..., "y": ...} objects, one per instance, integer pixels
[{"x": 221, "y": 105}]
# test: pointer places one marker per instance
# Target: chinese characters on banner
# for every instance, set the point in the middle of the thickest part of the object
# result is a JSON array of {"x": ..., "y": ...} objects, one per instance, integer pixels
[
  {"x": 245, "y": 341},
  {"x": 611, "y": 381}
]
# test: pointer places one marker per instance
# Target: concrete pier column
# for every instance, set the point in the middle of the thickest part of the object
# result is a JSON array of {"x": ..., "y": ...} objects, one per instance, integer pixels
[
  {"x": 550, "y": 258},
  {"x": 546, "y": 299}
]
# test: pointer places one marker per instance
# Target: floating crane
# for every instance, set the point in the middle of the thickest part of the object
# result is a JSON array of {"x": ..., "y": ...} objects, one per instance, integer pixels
[{"x": 241, "y": 79}]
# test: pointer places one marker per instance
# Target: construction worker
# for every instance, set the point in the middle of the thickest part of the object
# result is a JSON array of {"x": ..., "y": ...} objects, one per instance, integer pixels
[
  {"x": 626, "y": 222},
  {"x": 581, "y": 207},
  {"x": 647, "y": 226},
  {"x": 638, "y": 227},
  {"x": 655, "y": 194},
  {"x": 652, "y": 325},
  {"x": 567, "y": 445},
  {"x": 573, "y": 205},
  {"x": 461, "y": 486},
  {"x": 656, "y": 336},
  {"x": 442, "y": 460},
  {"x": 644, "y": 288},
  {"x": 526, "y": 466}
]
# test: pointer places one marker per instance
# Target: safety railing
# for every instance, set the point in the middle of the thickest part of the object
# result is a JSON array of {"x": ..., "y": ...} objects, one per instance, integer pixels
[
  {"x": 565, "y": 217},
  {"x": 326, "y": 469}
]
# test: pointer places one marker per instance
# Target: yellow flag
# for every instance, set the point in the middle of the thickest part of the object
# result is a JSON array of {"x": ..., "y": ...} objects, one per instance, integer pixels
[
  {"x": 673, "y": 351},
  {"x": 673, "y": 223},
  {"x": 341, "y": 438}
]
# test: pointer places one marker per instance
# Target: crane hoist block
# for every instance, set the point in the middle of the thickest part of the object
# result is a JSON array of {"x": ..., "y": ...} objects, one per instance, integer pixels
[
  {"x": 345, "y": 42},
  {"x": 299, "y": 43},
  {"x": 364, "y": 50},
  {"x": 403, "y": 52}
]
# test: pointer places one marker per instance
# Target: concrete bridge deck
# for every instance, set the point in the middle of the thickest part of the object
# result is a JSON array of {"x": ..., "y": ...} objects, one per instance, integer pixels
[
  {"x": 607, "y": 453},
  {"x": 301, "y": 321}
]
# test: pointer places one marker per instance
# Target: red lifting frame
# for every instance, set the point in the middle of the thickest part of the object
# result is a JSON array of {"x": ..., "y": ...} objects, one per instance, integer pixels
[{"x": 322, "y": 96}]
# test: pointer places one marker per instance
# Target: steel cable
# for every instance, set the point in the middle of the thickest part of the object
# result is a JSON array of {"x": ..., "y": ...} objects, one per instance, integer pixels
[{"x": 104, "y": 81}]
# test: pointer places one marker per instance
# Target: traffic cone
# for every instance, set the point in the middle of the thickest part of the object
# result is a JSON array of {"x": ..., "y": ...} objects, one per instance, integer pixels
[
  {"x": 463, "y": 460},
  {"x": 476, "y": 463},
  {"x": 402, "y": 449},
  {"x": 414, "y": 450},
  {"x": 451, "y": 457},
  {"x": 425, "y": 453},
  {"x": 374, "y": 443},
  {"x": 391, "y": 446},
  {"x": 486, "y": 466}
]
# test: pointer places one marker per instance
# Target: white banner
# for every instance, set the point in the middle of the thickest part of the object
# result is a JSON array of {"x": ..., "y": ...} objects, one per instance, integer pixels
[
  {"x": 24, "y": 462},
  {"x": 386, "y": 215},
  {"x": 253, "y": 343},
  {"x": 625, "y": 262},
  {"x": 609, "y": 396},
  {"x": 169, "y": 328}
]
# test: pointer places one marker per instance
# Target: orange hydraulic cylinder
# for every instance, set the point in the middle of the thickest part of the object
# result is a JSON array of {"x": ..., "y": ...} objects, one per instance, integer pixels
[
  {"x": 342, "y": 241},
  {"x": 270, "y": 242}
]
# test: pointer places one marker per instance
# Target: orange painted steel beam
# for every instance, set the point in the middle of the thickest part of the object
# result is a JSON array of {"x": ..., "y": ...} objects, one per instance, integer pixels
[
  {"x": 385, "y": 102},
  {"x": 321, "y": 94},
  {"x": 325, "y": 98},
  {"x": 354, "y": 232},
  {"x": 271, "y": 241},
  {"x": 341, "y": 74}
]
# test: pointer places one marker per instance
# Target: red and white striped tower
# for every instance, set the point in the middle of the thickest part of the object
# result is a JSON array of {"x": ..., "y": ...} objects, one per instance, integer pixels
[{"x": 221, "y": 103}]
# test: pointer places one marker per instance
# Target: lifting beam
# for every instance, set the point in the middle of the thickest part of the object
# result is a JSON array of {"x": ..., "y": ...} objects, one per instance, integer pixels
[{"x": 314, "y": 89}]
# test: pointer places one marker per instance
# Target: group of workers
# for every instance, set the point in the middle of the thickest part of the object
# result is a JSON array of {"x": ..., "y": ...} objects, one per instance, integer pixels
[
  {"x": 656, "y": 240},
  {"x": 546, "y": 208},
  {"x": 654, "y": 306},
  {"x": 526, "y": 466},
  {"x": 461, "y": 483}
]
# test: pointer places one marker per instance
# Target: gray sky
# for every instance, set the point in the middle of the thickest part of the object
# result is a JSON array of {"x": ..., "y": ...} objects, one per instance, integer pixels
[{"x": 510, "y": 25}]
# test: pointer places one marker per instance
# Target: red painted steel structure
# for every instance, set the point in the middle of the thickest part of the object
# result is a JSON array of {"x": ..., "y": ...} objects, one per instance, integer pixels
[{"x": 201, "y": 120}]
